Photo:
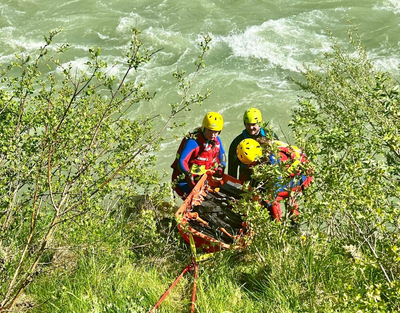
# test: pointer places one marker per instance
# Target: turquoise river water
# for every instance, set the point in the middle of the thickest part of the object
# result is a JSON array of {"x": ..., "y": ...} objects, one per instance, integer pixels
[{"x": 256, "y": 45}]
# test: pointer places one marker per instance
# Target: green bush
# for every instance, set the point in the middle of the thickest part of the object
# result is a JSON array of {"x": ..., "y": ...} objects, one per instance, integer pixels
[
  {"x": 69, "y": 151},
  {"x": 78, "y": 231},
  {"x": 348, "y": 124}
]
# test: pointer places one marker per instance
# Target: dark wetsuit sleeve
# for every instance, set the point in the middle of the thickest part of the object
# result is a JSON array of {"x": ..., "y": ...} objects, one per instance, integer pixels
[
  {"x": 233, "y": 161},
  {"x": 191, "y": 148}
]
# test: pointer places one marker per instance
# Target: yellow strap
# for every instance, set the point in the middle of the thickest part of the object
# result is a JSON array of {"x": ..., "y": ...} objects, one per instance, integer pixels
[
  {"x": 295, "y": 149},
  {"x": 204, "y": 257},
  {"x": 192, "y": 247},
  {"x": 198, "y": 169},
  {"x": 293, "y": 167},
  {"x": 194, "y": 254}
]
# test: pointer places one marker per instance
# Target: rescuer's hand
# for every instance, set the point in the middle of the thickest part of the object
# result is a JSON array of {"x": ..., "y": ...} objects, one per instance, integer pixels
[
  {"x": 220, "y": 170},
  {"x": 191, "y": 181}
]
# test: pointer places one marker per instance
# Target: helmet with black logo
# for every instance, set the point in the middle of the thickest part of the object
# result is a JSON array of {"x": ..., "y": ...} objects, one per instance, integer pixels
[
  {"x": 213, "y": 121},
  {"x": 248, "y": 151},
  {"x": 252, "y": 116}
]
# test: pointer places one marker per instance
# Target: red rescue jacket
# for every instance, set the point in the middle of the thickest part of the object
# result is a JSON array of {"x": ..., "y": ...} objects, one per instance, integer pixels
[{"x": 204, "y": 156}]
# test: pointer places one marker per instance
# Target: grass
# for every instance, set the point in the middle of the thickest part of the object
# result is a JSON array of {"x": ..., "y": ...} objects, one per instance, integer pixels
[{"x": 281, "y": 271}]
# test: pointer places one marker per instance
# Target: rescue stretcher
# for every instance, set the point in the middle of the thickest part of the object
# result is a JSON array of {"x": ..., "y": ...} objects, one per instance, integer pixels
[{"x": 207, "y": 215}]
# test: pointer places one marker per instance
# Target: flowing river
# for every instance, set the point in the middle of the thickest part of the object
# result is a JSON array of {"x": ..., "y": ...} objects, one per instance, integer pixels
[{"x": 255, "y": 46}]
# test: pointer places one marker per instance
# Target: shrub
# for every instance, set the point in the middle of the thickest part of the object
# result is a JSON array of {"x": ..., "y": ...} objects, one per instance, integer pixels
[{"x": 69, "y": 150}]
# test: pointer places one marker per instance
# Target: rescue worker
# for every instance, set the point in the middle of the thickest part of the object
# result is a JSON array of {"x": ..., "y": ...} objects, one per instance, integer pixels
[
  {"x": 252, "y": 120},
  {"x": 252, "y": 152},
  {"x": 198, "y": 153}
]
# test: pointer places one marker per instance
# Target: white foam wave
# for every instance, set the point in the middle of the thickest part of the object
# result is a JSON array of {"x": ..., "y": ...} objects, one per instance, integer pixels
[
  {"x": 18, "y": 44},
  {"x": 285, "y": 42},
  {"x": 389, "y": 5},
  {"x": 386, "y": 64},
  {"x": 6, "y": 59},
  {"x": 78, "y": 64},
  {"x": 166, "y": 38},
  {"x": 101, "y": 36},
  {"x": 68, "y": 3},
  {"x": 126, "y": 23}
]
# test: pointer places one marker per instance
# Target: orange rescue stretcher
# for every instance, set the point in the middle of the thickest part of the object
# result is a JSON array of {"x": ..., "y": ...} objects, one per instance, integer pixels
[{"x": 207, "y": 189}]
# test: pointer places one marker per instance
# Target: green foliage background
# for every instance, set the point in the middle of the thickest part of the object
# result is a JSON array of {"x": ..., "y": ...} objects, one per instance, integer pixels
[{"x": 87, "y": 227}]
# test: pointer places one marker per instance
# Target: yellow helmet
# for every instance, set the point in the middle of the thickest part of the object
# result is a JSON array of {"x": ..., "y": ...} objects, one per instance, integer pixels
[
  {"x": 252, "y": 116},
  {"x": 248, "y": 150},
  {"x": 213, "y": 121}
]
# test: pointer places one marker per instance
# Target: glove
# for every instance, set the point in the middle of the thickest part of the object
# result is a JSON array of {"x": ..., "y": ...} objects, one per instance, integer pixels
[
  {"x": 219, "y": 172},
  {"x": 221, "y": 169},
  {"x": 190, "y": 180}
]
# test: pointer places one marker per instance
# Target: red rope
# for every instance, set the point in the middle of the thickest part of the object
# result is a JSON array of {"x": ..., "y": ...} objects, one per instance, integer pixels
[
  {"x": 187, "y": 268},
  {"x": 196, "y": 268}
]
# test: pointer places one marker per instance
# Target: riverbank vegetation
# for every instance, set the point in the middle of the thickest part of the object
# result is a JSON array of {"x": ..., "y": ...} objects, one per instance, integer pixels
[{"x": 87, "y": 227}]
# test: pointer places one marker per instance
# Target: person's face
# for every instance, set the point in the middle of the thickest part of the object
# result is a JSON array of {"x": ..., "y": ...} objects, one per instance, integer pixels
[
  {"x": 252, "y": 129},
  {"x": 210, "y": 134}
]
